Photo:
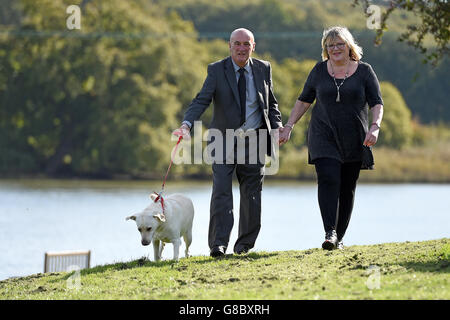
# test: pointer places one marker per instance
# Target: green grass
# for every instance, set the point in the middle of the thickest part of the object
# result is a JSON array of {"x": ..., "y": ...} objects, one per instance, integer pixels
[{"x": 411, "y": 270}]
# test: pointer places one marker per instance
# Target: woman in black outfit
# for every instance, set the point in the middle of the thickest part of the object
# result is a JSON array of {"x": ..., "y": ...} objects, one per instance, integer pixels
[{"x": 339, "y": 134}]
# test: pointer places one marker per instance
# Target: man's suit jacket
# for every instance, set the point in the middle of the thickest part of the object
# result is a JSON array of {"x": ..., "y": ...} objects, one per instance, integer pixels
[{"x": 221, "y": 87}]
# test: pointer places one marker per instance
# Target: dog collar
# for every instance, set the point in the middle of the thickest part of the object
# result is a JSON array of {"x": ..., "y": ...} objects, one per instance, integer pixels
[{"x": 162, "y": 200}]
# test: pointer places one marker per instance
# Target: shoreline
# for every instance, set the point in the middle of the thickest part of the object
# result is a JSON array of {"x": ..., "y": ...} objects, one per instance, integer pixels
[{"x": 208, "y": 179}]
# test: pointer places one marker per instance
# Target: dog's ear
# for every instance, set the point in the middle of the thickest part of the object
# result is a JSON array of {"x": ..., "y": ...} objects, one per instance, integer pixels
[
  {"x": 161, "y": 217},
  {"x": 153, "y": 196},
  {"x": 133, "y": 217}
]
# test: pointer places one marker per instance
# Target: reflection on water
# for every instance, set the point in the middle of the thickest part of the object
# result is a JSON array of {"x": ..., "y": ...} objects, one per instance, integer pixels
[{"x": 52, "y": 215}]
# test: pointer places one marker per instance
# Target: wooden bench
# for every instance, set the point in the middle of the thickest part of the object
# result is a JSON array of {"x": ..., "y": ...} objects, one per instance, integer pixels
[{"x": 62, "y": 260}]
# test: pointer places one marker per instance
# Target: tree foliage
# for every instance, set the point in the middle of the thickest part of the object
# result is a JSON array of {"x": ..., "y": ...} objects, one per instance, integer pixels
[
  {"x": 397, "y": 129},
  {"x": 91, "y": 102}
]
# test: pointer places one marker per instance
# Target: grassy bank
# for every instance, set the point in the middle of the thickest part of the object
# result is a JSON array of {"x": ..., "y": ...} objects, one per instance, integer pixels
[{"x": 411, "y": 270}]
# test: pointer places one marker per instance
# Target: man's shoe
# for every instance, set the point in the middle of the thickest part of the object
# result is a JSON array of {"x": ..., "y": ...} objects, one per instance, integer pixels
[
  {"x": 331, "y": 240},
  {"x": 242, "y": 250},
  {"x": 218, "y": 251},
  {"x": 340, "y": 245}
]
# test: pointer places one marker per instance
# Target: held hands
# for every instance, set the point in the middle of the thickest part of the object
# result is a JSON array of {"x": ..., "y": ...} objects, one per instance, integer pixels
[
  {"x": 372, "y": 135},
  {"x": 183, "y": 131},
  {"x": 284, "y": 134}
]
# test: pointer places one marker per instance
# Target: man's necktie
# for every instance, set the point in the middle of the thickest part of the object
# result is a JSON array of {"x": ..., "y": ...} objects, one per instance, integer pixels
[{"x": 242, "y": 87}]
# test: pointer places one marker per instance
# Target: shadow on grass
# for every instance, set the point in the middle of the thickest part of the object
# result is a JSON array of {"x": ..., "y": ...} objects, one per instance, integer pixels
[
  {"x": 234, "y": 257},
  {"x": 178, "y": 265},
  {"x": 437, "y": 263},
  {"x": 440, "y": 266}
]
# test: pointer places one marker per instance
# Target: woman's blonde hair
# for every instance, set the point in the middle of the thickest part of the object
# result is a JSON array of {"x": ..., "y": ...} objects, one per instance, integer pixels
[{"x": 343, "y": 33}]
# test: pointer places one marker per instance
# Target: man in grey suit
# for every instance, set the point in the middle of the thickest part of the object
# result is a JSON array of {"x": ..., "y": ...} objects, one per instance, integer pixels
[{"x": 242, "y": 92}]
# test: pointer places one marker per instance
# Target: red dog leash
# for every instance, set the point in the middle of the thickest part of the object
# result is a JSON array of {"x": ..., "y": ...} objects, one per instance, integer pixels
[{"x": 167, "y": 173}]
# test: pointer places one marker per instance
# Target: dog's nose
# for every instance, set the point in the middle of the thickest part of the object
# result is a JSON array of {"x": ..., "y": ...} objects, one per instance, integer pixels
[{"x": 145, "y": 243}]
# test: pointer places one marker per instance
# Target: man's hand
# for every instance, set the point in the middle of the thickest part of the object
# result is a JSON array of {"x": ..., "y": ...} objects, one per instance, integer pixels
[{"x": 183, "y": 131}]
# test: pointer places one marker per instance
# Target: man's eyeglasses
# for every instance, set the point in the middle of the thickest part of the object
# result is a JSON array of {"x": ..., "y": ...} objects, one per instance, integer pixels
[{"x": 339, "y": 46}]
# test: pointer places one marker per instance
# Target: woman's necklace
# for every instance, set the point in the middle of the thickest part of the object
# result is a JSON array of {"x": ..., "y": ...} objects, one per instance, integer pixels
[{"x": 338, "y": 98}]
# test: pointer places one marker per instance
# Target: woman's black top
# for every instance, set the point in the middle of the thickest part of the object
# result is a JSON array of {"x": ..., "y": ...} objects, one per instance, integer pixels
[{"x": 337, "y": 129}]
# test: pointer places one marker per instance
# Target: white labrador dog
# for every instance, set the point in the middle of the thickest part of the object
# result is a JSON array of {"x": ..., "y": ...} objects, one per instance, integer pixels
[{"x": 168, "y": 226}]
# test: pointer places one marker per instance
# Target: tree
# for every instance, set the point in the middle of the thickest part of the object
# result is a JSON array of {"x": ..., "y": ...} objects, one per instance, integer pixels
[
  {"x": 99, "y": 101},
  {"x": 434, "y": 22},
  {"x": 397, "y": 129}
]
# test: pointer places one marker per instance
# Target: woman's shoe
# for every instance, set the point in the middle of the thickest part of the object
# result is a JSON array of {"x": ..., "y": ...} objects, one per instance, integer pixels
[{"x": 331, "y": 240}]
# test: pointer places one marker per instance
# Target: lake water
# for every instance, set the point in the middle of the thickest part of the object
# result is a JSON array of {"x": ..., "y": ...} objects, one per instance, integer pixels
[{"x": 55, "y": 215}]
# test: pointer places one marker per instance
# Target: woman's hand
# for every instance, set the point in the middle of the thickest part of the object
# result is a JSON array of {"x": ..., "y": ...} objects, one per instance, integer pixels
[
  {"x": 374, "y": 129},
  {"x": 372, "y": 135}
]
